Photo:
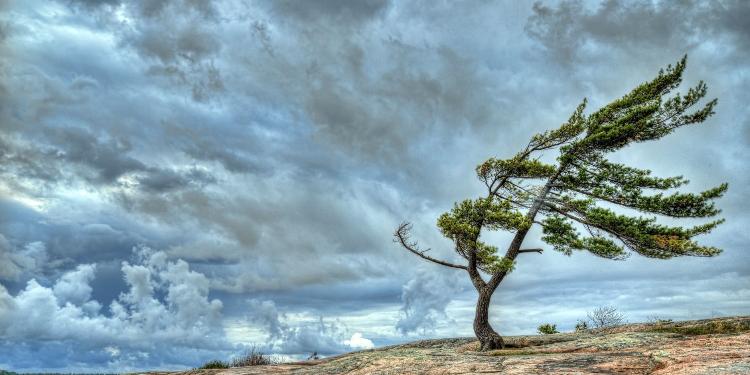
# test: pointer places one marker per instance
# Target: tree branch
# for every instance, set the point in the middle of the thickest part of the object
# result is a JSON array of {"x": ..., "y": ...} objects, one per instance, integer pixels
[
  {"x": 514, "y": 248},
  {"x": 402, "y": 237},
  {"x": 567, "y": 214},
  {"x": 625, "y": 241},
  {"x": 517, "y": 203},
  {"x": 531, "y": 251},
  {"x": 476, "y": 277}
]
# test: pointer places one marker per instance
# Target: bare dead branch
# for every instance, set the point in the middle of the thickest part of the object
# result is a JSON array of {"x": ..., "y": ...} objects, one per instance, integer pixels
[{"x": 402, "y": 237}]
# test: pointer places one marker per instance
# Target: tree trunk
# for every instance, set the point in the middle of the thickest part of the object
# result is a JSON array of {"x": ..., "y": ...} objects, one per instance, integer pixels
[{"x": 488, "y": 338}]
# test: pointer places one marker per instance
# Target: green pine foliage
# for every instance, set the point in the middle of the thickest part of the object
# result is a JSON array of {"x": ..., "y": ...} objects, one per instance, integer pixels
[
  {"x": 464, "y": 222},
  {"x": 578, "y": 192},
  {"x": 585, "y": 178},
  {"x": 547, "y": 329},
  {"x": 583, "y": 201},
  {"x": 215, "y": 364}
]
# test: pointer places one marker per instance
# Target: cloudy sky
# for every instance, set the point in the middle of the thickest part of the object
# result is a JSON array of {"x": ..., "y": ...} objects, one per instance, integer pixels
[{"x": 183, "y": 179}]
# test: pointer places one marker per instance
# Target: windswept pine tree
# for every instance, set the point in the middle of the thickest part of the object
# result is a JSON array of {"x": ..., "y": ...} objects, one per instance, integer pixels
[{"x": 572, "y": 200}]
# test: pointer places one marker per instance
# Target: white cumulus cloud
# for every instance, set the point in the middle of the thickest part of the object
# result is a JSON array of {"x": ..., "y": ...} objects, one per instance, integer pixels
[
  {"x": 164, "y": 319},
  {"x": 359, "y": 342}
]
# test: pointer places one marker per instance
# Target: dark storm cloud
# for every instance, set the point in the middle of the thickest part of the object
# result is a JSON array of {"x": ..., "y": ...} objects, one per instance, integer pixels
[
  {"x": 158, "y": 180},
  {"x": 274, "y": 146},
  {"x": 102, "y": 160},
  {"x": 107, "y": 158},
  {"x": 233, "y": 161},
  {"x": 15, "y": 263},
  {"x": 370, "y": 120},
  {"x": 27, "y": 162},
  {"x": 566, "y": 27},
  {"x": 94, "y": 3},
  {"x": 176, "y": 39},
  {"x": 326, "y": 11}
]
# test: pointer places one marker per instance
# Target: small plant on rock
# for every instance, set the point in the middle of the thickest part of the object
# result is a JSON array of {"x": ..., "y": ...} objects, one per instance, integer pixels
[
  {"x": 214, "y": 364},
  {"x": 252, "y": 357},
  {"x": 605, "y": 317},
  {"x": 547, "y": 329},
  {"x": 581, "y": 326}
]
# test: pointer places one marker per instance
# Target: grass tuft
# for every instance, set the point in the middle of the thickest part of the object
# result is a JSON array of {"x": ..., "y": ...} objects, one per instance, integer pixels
[{"x": 252, "y": 357}]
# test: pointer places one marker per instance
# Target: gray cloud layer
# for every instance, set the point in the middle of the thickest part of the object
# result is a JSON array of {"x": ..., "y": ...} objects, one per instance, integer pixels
[{"x": 274, "y": 146}]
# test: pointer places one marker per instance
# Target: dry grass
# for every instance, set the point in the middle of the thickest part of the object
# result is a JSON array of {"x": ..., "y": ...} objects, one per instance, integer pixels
[
  {"x": 705, "y": 328},
  {"x": 252, "y": 357}
]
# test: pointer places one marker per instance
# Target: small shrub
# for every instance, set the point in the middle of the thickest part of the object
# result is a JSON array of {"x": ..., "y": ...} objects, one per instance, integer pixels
[
  {"x": 547, "y": 329},
  {"x": 605, "y": 317},
  {"x": 581, "y": 326},
  {"x": 252, "y": 357},
  {"x": 214, "y": 364}
]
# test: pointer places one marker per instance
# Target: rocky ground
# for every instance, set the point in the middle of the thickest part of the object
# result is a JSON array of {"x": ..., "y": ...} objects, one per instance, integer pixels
[{"x": 713, "y": 346}]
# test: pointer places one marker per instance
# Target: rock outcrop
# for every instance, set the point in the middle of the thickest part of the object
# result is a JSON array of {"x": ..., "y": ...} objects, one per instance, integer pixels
[{"x": 712, "y": 346}]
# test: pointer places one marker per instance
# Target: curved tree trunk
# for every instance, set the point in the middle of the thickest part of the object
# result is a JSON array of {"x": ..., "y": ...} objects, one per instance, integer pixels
[{"x": 488, "y": 338}]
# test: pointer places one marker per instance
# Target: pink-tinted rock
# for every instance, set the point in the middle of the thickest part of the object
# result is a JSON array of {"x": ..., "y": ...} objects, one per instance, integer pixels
[{"x": 712, "y": 346}]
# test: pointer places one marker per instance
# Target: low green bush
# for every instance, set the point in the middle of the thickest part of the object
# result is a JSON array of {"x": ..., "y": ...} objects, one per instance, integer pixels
[
  {"x": 214, "y": 364},
  {"x": 547, "y": 329}
]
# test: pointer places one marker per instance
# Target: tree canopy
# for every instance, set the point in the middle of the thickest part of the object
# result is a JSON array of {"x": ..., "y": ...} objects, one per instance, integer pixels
[
  {"x": 580, "y": 192},
  {"x": 615, "y": 205}
]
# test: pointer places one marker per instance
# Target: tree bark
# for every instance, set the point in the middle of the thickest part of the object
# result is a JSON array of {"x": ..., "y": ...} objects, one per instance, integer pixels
[{"x": 488, "y": 338}]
